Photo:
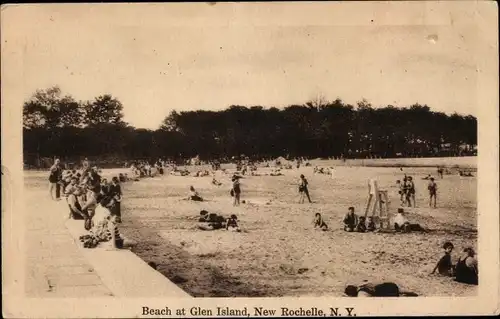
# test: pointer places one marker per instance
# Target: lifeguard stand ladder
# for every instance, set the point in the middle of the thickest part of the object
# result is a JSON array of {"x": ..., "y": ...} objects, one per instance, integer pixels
[{"x": 380, "y": 212}]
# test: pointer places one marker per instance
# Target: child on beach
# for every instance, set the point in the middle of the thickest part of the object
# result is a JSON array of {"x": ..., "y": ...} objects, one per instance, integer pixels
[
  {"x": 444, "y": 266},
  {"x": 350, "y": 220},
  {"x": 319, "y": 222},
  {"x": 232, "y": 224},
  {"x": 361, "y": 226},
  {"x": 371, "y": 224}
]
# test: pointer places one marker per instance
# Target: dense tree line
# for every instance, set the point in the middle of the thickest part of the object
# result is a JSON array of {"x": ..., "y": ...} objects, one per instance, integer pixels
[{"x": 57, "y": 125}]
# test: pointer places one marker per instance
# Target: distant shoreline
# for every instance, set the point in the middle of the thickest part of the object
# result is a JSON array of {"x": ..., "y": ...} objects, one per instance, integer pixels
[{"x": 463, "y": 162}]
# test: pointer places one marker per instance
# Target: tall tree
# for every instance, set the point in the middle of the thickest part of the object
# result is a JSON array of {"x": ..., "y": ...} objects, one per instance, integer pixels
[
  {"x": 49, "y": 109},
  {"x": 104, "y": 109}
]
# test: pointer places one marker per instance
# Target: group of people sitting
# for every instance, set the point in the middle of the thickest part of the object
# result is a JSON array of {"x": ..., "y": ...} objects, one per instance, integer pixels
[
  {"x": 212, "y": 221},
  {"x": 353, "y": 223},
  {"x": 97, "y": 202},
  {"x": 464, "y": 271},
  {"x": 94, "y": 200},
  {"x": 144, "y": 168}
]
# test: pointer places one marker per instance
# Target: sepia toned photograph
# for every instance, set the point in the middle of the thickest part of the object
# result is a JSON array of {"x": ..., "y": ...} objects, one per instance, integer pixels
[{"x": 195, "y": 152}]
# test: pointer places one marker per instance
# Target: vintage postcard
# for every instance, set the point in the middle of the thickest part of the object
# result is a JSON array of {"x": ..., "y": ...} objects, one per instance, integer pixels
[{"x": 256, "y": 159}]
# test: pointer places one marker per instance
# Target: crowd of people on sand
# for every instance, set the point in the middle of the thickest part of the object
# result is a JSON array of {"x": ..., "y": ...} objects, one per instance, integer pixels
[
  {"x": 92, "y": 199},
  {"x": 95, "y": 201}
]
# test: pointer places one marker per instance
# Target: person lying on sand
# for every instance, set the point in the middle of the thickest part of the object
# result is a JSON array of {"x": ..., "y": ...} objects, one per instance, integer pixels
[
  {"x": 444, "y": 266},
  {"x": 361, "y": 226},
  {"x": 401, "y": 224},
  {"x": 216, "y": 182},
  {"x": 210, "y": 221},
  {"x": 466, "y": 174},
  {"x": 350, "y": 220},
  {"x": 232, "y": 224},
  {"x": 193, "y": 195},
  {"x": 466, "y": 270},
  {"x": 276, "y": 172},
  {"x": 319, "y": 223},
  {"x": 386, "y": 289}
]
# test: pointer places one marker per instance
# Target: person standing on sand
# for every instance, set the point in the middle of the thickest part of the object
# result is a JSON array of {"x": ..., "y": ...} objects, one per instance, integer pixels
[
  {"x": 411, "y": 192},
  {"x": 115, "y": 191},
  {"x": 236, "y": 191},
  {"x": 54, "y": 178},
  {"x": 304, "y": 189},
  {"x": 432, "y": 187}
]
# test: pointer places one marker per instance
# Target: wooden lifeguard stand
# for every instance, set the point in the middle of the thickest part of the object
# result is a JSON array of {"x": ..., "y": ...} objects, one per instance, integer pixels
[{"x": 380, "y": 211}]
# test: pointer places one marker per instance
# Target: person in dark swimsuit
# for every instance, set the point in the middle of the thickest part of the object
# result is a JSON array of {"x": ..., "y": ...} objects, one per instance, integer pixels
[
  {"x": 444, "y": 266},
  {"x": 410, "y": 195},
  {"x": 319, "y": 222},
  {"x": 105, "y": 187},
  {"x": 54, "y": 180},
  {"x": 236, "y": 191},
  {"x": 193, "y": 195},
  {"x": 371, "y": 224},
  {"x": 94, "y": 176},
  {"x": 304, "y": 189},
  {"x": 350, "y": 220},
  {"x": 232, "y": 223},
  {"x": 432, "y": 187},
  {"x": 115, "y": 192},
  {"x": 210, "y": 221},
  {"x": 466, "y": 269},
  {"x": 386, "y": 289},
  {"x": 361, "y": 226}
]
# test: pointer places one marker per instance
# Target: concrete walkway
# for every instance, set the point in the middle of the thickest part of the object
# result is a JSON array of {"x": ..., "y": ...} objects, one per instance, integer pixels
[
  {"x": 55, "y": 265},
  {"x": 58, "y": 265}
]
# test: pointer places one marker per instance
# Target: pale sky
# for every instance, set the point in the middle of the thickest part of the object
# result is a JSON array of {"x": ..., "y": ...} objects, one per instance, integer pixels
[{"x": 158, "y": 57}]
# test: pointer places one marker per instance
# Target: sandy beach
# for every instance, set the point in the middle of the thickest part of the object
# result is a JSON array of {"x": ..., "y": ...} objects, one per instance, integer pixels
[{"x": 279, "y": 253}]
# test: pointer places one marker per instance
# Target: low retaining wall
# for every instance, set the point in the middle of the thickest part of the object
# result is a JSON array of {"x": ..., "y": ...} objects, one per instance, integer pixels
[{"x": 123, "y": 272}]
